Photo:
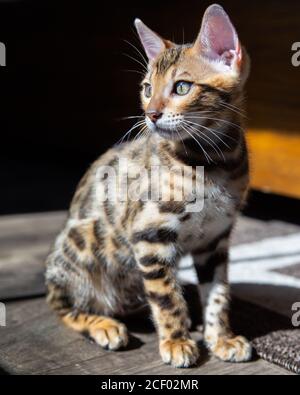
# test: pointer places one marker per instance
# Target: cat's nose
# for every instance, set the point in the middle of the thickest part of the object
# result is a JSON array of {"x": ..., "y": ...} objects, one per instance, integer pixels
[{"x": 154, "y": 115}]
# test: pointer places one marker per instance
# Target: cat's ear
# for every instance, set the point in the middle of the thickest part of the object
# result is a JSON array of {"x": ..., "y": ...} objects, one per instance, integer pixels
[
  {"x": 153, "y": 44},
  {"x": 218, "y": 40}
]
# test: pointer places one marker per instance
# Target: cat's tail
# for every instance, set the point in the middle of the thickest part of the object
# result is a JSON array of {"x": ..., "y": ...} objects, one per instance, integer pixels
[{"x": 105, "y": 331}]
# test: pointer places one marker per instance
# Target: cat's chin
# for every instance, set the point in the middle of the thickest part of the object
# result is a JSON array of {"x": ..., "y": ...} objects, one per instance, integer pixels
[{"x": 167, "y": 134}]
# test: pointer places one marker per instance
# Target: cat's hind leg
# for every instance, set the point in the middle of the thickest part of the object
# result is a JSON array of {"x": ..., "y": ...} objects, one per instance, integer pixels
[
  {"x": 105, "y": 331},
  {"x": 74, "y": 277}
]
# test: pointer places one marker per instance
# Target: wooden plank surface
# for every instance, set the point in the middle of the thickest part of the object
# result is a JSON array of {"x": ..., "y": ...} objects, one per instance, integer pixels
[
  {"x": 24, "y": 243},
  {"x": 34, "y": 342}
]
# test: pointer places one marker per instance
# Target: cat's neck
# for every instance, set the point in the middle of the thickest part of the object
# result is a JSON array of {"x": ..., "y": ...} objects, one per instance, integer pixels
[{"x": 213, "y": 146}]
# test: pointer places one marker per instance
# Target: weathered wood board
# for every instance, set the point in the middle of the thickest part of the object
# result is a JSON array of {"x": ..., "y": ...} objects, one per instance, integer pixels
[
  {"x": 24, "y": 243},
  {"x": 34, "y": 342}
]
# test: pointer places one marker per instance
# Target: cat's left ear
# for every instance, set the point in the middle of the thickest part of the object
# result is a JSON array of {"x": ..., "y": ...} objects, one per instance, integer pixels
[
  {"x": 153, "y": 44},
  {"x": 218, "y": 40}
]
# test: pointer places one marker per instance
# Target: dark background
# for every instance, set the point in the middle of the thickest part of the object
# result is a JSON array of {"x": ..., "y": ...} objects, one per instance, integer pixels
[{"x": 65, "y": 86}]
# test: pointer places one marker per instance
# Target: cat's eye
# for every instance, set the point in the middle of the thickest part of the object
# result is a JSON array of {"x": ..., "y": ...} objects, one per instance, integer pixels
[
  {"x": 182, "y": 88},
  {"x": 148, "y": 90}
]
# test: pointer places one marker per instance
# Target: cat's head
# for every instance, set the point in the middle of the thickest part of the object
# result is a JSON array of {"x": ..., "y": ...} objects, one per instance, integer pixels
[{"x": 194, "y": 82}]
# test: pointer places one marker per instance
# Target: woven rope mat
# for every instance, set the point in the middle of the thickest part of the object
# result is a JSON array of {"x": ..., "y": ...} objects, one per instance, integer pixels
[{"x": 272, "y": 335}]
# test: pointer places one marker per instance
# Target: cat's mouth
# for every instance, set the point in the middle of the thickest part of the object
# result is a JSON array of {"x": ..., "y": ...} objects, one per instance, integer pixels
[{"x": 166, "y": 131}]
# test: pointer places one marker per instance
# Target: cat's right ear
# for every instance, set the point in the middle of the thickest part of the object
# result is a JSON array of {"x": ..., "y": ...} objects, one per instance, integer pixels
[
  {"x": 153, "y": 44},
  {"x": 218, "y": 40}
]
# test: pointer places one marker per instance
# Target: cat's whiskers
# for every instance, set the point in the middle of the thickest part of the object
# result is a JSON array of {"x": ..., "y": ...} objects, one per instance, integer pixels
[
  {"x": 134, "y": 71},
  {"x": 196, "y": 116},
  {"x": 140, "y": 133},
  {"x": 212, "y": 132},
  {"x": 208, "y": 158},
  {"x": 235, "y": 107},
  {"x": 211, "y": 143},
  {"x": 136, "y": 125},
  {"x": 235, "y": 110},
  {"x": 137, "y": 61},
  {"x": 179, "y": 135},
  {"x": 145, "y": 133},
  {"x": 218, "y": 132},
  {"x": 133, "y": 117},
  {"x": 138, "y": 51}
]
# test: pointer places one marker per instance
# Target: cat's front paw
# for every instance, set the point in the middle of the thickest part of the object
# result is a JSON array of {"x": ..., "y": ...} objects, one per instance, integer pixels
[
  {"x": 180, "y": 353},
  {"x": 236, "y": 349},
  {"x": 110, "y": 334}
]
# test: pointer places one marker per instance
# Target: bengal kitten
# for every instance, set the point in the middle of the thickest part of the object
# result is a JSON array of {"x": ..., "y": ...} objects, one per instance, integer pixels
[{"x": 113, "y": 257}]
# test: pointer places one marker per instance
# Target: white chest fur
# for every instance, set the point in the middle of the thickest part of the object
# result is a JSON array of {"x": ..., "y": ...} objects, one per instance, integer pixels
[{"x": 217, "y": 214}]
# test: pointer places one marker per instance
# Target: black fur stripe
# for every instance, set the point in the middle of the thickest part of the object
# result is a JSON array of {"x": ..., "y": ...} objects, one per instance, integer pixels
[
  {"x": 150, "y": 260},
  {"x": 109, "y": 211},
  {"x": 233, "y": 164},
  {"x": 98, "y": 230},
  {"x": 58, "y": 298},
  {"x": 66, "y": 263},
  {"x": 172, "y": 207},
  {"x": 99, "y": 256},
  {"x": 154, "y": 235},
  {"x": 167, "y": 59},
  {"x": 154, "y": 274},
  {"x": 177, "y": 313},
  {"x": 69, "y": 252},
  {"x": 165, "y": 302},
  {"x": 177, "y": 334},
  {"x": 230, "y": 165},
  {"x": 223, "y": 95},
  {"x": 195, "y": 156},
  {"x": 77, "y": 238},
  {"x": 211, "y": 98},
  {"x": 186, "y": 217}
]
